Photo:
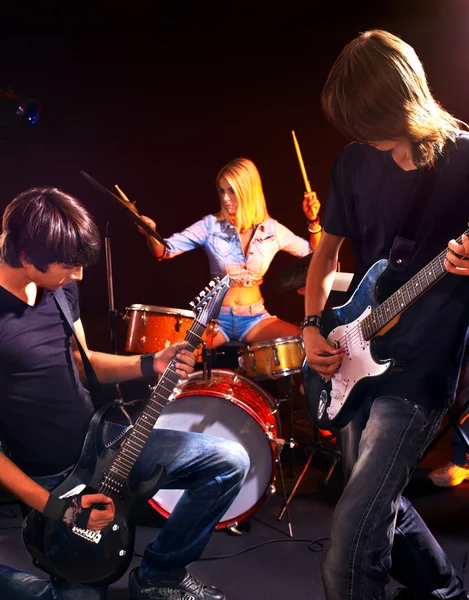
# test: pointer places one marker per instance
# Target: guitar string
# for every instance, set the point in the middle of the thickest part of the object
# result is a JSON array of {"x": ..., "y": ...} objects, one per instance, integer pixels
[
  {"x": 112, "y": 485},
  {"x": 349, "y": 339},
  {"x": 113, "y": 478}
]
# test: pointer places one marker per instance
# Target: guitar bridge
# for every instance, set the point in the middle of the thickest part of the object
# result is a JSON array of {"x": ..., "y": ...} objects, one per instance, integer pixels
[{"x": 88, "y": 534}]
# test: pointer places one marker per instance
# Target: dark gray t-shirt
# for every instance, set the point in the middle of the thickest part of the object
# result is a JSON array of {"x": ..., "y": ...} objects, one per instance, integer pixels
[
  {"x": 367, "y": 203},
  {"x": 44, "y": 408}
]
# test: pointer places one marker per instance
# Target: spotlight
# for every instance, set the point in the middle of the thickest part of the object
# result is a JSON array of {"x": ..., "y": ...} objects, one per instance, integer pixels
[{"x": 16, "y": 109}]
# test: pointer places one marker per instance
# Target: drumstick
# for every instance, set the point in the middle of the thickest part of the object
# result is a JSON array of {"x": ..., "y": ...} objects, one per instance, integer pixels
[
  {"x": 121, "y": 193},
  {"x": 300, "y": 160},
  {"x": 124, "y": 197}
]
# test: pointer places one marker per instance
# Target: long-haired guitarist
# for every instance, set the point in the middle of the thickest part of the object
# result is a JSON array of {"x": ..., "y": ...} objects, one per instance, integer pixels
[
  {"x": 399, "y": 190},
  {"x": 47, "y": 239}
]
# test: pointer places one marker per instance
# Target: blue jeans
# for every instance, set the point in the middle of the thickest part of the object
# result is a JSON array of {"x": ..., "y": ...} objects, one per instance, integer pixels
[
  {"x": 235, "y": 322},
  {"x": 375, "y": 530},
  {"x": 212, "y": 470}
]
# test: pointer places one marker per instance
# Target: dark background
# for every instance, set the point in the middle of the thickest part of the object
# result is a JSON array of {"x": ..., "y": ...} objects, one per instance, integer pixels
[{"x": 157, "y": 96}]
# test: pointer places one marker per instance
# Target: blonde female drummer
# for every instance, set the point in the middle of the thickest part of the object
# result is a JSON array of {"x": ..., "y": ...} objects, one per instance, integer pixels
[{"x": 241, "y": 240}]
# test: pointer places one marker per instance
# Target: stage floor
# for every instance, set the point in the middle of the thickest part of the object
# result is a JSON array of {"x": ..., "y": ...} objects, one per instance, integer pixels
[{"x": 285, "y": 568}]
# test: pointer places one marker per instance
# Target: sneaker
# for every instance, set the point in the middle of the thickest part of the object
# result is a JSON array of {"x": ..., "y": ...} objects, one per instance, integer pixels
[
  {"x": 449, "y": 475},
  {"x": 187, "y": 588}
]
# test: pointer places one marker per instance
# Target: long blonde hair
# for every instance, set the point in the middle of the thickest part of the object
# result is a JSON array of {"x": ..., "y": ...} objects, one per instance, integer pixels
[
  {"x": 244, "y": 178},
  {"x": 377, "y": 90}
]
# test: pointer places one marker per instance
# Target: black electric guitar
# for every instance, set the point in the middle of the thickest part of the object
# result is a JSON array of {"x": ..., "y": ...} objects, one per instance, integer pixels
[
  {"x": 101, "y": 557},
  {"x": 352, "y": 327}
]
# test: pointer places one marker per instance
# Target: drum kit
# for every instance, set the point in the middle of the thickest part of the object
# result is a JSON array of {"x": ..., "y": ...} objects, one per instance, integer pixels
[{"x": 230, "y": 403}]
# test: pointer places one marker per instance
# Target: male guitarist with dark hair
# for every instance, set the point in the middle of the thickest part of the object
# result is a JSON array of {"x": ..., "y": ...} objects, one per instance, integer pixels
[
  {"x": 47, "y": 238},
  {"x": 401, "y": 190}
]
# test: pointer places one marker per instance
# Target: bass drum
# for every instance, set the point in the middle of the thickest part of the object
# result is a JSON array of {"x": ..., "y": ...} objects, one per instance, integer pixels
[{"x": 232, "y": 407}]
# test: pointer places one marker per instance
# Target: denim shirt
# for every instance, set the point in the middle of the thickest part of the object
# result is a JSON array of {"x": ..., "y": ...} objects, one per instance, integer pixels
[{"x": 222, "y": 244}]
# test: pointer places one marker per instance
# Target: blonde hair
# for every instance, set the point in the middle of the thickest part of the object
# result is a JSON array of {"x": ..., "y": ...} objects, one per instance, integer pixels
[
  {"x": 377, "y": 90},
  {"x": 244, "y": 178}
]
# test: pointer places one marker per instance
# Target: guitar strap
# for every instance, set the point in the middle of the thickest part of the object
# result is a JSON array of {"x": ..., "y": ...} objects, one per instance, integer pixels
[
  {"x": 95, "y": 388},
  {"x": 416, "y": 212}
]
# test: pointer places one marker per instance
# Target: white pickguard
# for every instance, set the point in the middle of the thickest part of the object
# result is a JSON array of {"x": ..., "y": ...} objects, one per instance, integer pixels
[{"x": 357, "y": 364}]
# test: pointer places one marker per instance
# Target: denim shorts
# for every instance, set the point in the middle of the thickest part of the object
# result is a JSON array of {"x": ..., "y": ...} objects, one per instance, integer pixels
[{"x": 236, "y": 321}]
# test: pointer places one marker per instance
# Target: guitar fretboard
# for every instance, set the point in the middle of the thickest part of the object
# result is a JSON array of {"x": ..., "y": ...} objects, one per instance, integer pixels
[
  {"x": 119, "y": 471},
  {"x": 406, "y": 294},
  {"x": 128, "y": 454}
]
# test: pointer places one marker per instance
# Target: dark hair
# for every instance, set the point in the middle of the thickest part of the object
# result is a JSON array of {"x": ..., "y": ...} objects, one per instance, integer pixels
[
  {"x": 377, "y": 90},
  {"x": 46, "y": 226}
]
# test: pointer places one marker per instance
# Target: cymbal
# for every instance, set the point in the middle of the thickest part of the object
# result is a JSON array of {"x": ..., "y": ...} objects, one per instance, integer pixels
[
  {"x": 131, "y": 211},
  {"x": 294, "y": 278}
]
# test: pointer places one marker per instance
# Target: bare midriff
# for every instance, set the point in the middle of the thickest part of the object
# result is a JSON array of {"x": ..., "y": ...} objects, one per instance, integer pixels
[{"x": 242, "y": 295}]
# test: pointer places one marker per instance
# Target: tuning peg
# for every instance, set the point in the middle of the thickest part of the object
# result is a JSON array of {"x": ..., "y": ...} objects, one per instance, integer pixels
[
  {"x": 192, "y": 304},
  {"x": 202, "y": 294},
  {"x": 212, "y": 283}
]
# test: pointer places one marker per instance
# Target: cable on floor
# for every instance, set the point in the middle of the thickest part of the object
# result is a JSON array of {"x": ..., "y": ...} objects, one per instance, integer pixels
[{"x": 313, "y": 545}]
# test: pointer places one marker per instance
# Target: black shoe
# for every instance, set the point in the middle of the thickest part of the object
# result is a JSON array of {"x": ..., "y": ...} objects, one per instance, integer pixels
[{"x": 187, "y": 588}]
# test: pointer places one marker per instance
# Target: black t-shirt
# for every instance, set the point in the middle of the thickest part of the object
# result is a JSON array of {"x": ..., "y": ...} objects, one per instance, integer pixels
[
  {"x": 44, "y": 408},
  {"x": 367, "y": 203}
]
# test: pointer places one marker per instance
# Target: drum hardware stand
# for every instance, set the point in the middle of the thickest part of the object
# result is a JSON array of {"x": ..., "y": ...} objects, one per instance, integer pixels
[
  {"x": 208, "y": 350},
  {"x": 292, "y": 443},
  {"x": 277, "y": 444},
  {"x": 207, "y": 355},
  {"x": 317, "y": 446},
  {"x": 118, "y": 399}
]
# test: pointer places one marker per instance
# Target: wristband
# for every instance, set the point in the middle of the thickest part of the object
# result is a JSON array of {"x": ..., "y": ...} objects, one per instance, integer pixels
[
  {"x": 146, "y": 364},
  {"x": 311, "y": 321},
  {"x": 314, "y": 229},
  {"x": 314, "y": 226},
  {"x": 54, "y": 508}
]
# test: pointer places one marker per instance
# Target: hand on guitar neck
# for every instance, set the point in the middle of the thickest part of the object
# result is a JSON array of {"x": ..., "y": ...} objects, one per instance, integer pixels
[{"x": 456, "y": 260}]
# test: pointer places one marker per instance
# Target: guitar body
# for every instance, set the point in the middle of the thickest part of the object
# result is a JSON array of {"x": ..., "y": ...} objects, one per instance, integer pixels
[
  {"x": 84, "y": 556},
  {"x": 332, "y": 403}
]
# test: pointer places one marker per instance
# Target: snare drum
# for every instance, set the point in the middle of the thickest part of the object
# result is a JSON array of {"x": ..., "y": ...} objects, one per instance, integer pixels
[
  {"x": 230, "y": 406},
  {"x": 153, "y": 328},
  {"x": 273, "y": 359}
]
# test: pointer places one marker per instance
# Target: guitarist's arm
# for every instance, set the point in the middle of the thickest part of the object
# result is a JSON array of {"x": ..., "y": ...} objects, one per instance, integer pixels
[
  {"x": 320, "y": 355},
  {"x": 110, "y": 368},
  {"x": 31, "y": 493}
]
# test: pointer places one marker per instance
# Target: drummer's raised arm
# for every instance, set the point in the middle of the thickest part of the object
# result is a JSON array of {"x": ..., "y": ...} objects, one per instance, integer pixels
[{"x": 155, "y": 247}]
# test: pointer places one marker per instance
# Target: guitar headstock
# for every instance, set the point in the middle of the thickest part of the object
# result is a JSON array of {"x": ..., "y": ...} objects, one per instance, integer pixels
[{"x": 207, "y": 304}]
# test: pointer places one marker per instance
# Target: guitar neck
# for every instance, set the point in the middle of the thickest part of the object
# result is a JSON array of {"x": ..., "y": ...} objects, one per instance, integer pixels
[
  {"x": 406, "y": 295},
  {"x": 159, "y": 398}
]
